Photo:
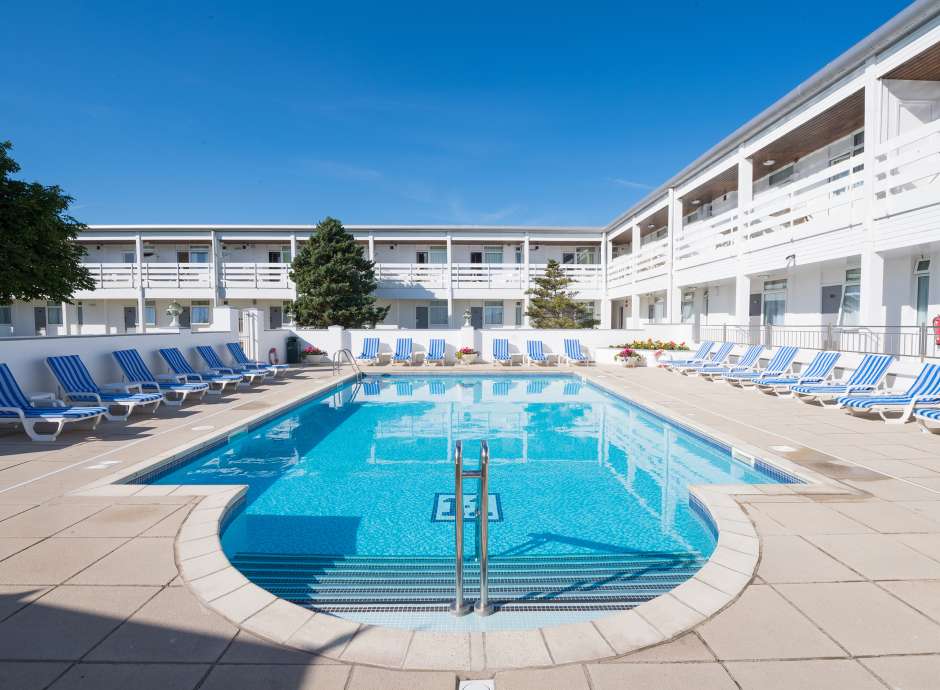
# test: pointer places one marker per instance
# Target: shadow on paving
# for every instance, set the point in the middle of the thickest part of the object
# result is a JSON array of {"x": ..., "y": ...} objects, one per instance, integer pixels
[{"x": 79, "y": 638}]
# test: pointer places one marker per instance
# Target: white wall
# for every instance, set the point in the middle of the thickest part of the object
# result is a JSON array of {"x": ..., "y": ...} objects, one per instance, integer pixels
[{"x": 26, "y": 356}]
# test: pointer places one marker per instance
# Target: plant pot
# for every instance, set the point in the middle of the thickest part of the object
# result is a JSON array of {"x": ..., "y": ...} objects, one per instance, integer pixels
[
  {"x": 468, "y": 359},
  {"x": 632, "y": 362},
  {"x": 315, "y": 359}
]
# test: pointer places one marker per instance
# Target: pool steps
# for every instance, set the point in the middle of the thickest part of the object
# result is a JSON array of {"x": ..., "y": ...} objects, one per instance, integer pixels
[{"x": 348, "y": 584}]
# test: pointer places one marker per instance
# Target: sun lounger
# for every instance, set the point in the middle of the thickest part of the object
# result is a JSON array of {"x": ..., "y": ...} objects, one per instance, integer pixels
[
  {"x": 79, "y": 388},
  {"x": 218, "y": 383},
  {"x": 174, "y": 392}
]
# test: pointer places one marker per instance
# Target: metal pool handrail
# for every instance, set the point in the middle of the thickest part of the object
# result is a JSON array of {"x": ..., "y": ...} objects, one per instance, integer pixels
[
  {"x": 338, "y": 365},
  {"x": 483, "y": 607}
]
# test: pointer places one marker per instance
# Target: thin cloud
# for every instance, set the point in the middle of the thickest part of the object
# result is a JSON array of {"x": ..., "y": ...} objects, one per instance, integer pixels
[
  {"x": 345, "y": 171},
  {"x": 630, "y": 184}
]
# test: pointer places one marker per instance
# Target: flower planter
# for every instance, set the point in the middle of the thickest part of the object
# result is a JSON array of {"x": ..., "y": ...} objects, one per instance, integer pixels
[
  {"x": 467, "y": 359},
  {"x": 315, "y": 359},
  {"x": 631, "y": 362}
]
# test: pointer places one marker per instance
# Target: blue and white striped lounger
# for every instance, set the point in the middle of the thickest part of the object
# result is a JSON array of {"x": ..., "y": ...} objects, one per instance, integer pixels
[
  {"x": 370, "y": 351},
  {"x": 535, "y": 352},
  {"x": 437, "y": 349},
  {"x": 778, "y": 365},
  {"x": 403, "y": 389},
  {"x": 928, "y": 418},
  {"x": 15, "y": 408},
  {"x": 372, "y": 387},
  {"x": 817, "y": 371},
  {"x": 135, "y": 371},
  {"x": 216, "y": 365},
  {"x": 501, "y": 387},
  {"x": 241, "y": 359},
  {"x": 574, "y": 353},
  {"x": 697, "y": 358},
  {"x": 536, "y": 386},
  {"x": 181, "y": 366},
  {"x": 437, "y": 388},
  {"x": 79, "y": 388},
  {"x": 716, "y": 358},
  {"x": 867, "y": 377},
  {"x": 750, "y": 356},
  {"x": 404, "y": 351},
  {"x": 501, "y": 351},
  {"x": 924, "y": 391}
]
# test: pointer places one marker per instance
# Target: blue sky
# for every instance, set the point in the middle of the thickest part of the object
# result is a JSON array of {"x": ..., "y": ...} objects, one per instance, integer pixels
[{"x": 502, "y": 113}]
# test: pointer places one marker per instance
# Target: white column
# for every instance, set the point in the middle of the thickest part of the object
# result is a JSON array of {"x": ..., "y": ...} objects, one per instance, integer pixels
[
  {"x": 634, "y": 296},
  {"x": 293, "y": 255},
  {"x": 450, "y": 283},
  {"x": 371, "y": 247},
  {"x": 602, "y": 285},
  {"x": 64, "y": 306},
  {"x": 742, "y": 283},
  {"x": 215, "y": 281},
  {"x": 527, "y": 282},
  {"x": 673, "y": 293},
  {"x": 871, "y": 307},
  {"x": 139, "y": 252}
]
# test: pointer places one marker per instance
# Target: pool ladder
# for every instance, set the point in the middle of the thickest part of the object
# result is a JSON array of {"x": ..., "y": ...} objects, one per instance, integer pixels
[
  {"x": 338, "y": 364},
  {"x": 483, "y": 607}
]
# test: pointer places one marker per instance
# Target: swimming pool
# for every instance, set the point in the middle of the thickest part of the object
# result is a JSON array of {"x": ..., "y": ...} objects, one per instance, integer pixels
[{"x": 350, "y": 503}]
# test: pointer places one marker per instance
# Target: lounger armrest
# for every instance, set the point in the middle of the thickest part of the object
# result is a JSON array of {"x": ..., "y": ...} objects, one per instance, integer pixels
[
  {"x": 860, "y": 389},
  {"x": 15, "y": 410},
  {"x": 223, "y": 370},
  {"x": 189, "y": 378},
  {"x": 171, "y": 378},
  {"x": 83, "y": 397}
]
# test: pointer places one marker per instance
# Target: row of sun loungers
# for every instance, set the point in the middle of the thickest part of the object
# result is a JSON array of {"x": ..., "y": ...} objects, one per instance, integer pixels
[
  {"x": 862, "y": 393},
  {"x": 535, "y": 353},
  {"x": 83, "y": 399}
]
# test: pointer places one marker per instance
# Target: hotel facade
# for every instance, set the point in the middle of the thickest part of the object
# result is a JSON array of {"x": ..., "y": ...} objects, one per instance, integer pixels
[{"x": 820, "y": 215}]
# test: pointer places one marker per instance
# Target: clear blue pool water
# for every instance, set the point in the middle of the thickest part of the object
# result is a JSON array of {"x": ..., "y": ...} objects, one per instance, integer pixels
[{"x": 367, "y": 471}]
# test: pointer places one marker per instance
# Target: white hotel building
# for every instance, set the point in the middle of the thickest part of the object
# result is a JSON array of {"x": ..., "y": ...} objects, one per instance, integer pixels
[{"x": 821, "y": 212}]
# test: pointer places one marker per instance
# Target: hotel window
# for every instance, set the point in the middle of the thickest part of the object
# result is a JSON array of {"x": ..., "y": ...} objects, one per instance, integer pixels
[
  {"x": 518, "y": 254},
  {"x": 851, "y": 294},
  {"x": 80, "y": 314},
  {"x": 775, "y": 302},
  {"x": 518, "y": 313},
  {"x": 6, "y": 314},
  {"x": 780, "y": 177},
  {"x": 277, "y": 256},
  {"x": 286, "y": 316},
  {"x": 54, "y": 313},
  {"x": 705, "y": 297},
  {"x": 150, "y": 313},
  {"x": 437, "y": 313},
  {"x": 688, "y": 304},
  {"x": 922, "y": 290},
  {"x": 492, "y": 314},
  {"x": 196, "y": 254},
  {"x": 129, "y": 257},
  {"x": 493, "y": 255},
  {"x": 199, "y": 312},
  {"x": 581, "y": 255}
]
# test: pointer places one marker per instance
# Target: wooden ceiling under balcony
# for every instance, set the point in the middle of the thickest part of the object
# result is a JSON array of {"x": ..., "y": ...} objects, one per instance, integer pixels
[
  {"x": 922, "y": 67},
  {"x": 717, "y": 186},
  {"x": 840, "y": 120}
]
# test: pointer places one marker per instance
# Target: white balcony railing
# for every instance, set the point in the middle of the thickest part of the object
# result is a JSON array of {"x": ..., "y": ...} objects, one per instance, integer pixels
[
  {"x": 809, "y": 206},
  {"x": 113, "y": 276},
  {"x": 489, "y": 276},
  {"x": 652, "y": 259},
  {"x": 167, "y": 275},
  {"x": 256, "y": 276},
  {"x": 620, "y": 271},
  {"x": 907, "y": 170},
  {"x": 411, "y": 275},
  {"x": 585, "y": 276},
  {"x": 706, "y": 240}
]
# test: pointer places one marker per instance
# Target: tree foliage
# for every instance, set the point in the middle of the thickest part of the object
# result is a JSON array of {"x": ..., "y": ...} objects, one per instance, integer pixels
[
  {"x": 39, "y": 257},
  {"x": 334, "y": 281},
  {"x": 553, "y": 306}
]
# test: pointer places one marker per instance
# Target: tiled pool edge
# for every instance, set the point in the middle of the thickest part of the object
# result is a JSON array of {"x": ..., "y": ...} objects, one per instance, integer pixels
[{"x": 205, "y": 569}]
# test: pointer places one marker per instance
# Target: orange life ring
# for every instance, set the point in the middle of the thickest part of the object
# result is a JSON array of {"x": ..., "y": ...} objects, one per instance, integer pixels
[{"x": 272, "y": 356}]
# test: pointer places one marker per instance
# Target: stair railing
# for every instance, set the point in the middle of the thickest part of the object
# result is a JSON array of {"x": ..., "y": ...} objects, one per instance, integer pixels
[
  {"x": 483, "y": 607},
  {"x": 338, "y": 363}
]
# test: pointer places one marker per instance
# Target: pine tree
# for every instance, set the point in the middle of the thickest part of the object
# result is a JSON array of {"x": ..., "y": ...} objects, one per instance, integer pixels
[
  {"x": 334, "y": 281},
  {"x": 553, "y": 306}
]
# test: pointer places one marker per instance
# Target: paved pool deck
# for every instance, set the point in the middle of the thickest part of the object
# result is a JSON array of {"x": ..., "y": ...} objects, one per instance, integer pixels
[{"x": 846, "y": 592}]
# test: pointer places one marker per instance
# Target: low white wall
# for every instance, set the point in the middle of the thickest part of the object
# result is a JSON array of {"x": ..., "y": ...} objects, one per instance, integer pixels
[
  {"x": 454, "y": 339},
  {"x": 26, "y": 357}
]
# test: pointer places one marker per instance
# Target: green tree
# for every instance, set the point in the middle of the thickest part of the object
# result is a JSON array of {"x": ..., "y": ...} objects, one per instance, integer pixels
[
  {"x": 39, "y": 256},
  {"x": 334, "y": 281},
  {"x": 553, "y": 305}
]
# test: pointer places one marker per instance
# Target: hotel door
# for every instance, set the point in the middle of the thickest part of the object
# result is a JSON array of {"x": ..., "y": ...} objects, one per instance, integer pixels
[
  {"x": 421, "y": 317},
  {"x": 39, "y": 320},
  {"x": 476, "y": 317}
]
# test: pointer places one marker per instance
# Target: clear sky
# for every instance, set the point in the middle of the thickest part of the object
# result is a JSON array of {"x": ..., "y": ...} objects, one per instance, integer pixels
[{"x": 502, "y": 113}]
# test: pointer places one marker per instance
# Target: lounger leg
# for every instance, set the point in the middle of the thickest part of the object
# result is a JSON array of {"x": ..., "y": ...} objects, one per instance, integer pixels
[
  {"x": 174, "y": 402},
  {"x": 116, "y": 417},
  {"x": 29, "y": 426}
]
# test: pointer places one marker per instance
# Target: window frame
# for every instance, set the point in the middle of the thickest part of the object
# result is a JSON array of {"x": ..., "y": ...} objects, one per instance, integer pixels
[
  {"x": 195, "y": 306},
  {"x": 488, "y": 307},
  {"x": 437, "y": 305}
]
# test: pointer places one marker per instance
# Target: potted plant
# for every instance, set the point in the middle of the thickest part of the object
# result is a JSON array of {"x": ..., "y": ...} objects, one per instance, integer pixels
[
  {"x": 630, "y": 357},
  {"x": 467, "y": 355},
  {"x": 313, "y": 354}
]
